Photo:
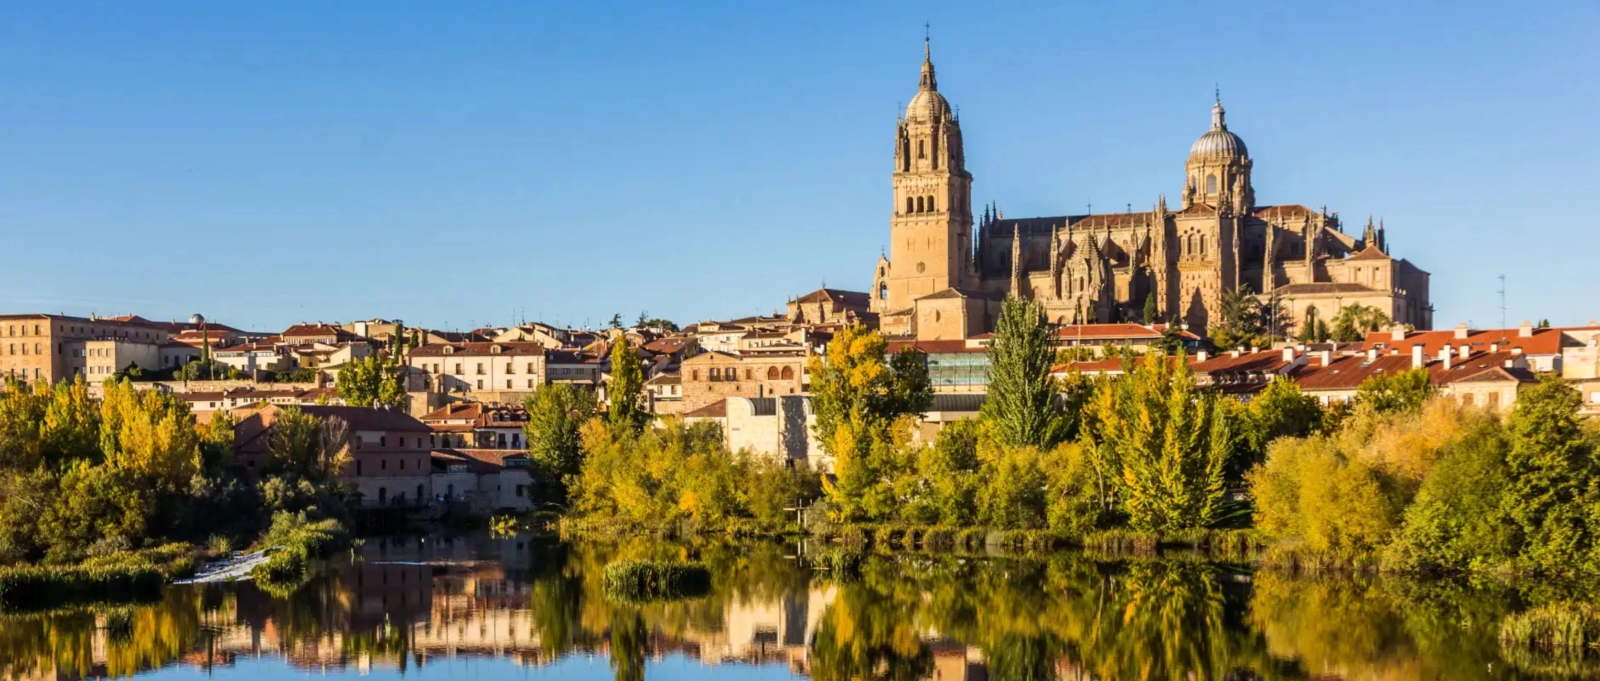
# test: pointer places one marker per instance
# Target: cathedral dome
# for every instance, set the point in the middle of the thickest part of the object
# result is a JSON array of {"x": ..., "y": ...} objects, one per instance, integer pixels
[
  {"x": 1218, "y": 142},
  {"x": 927, "y": 105}
]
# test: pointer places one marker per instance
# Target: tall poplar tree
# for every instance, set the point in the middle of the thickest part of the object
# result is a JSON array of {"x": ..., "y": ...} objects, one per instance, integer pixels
[
  {"x": 1023, "y": 405},
  {"x": 626, "y": 388}
]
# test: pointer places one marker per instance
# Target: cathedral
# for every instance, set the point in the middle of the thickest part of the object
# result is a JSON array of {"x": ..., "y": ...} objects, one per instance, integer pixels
[{"x": 945, "y": 273}]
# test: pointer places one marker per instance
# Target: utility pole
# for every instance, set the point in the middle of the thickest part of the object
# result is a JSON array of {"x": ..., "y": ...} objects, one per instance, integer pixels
[{"x": 1502, "y": 304}]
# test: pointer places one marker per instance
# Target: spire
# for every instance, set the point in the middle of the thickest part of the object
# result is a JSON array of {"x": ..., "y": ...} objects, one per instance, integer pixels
[
  {"x": 1369, "y": 237},
  {"x": 929, "y": 82},
  {"x": 1217, "y": 114}
]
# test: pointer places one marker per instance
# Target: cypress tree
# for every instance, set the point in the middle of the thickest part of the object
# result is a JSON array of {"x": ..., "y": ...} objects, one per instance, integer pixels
[{"x": 1023, "y": 405}]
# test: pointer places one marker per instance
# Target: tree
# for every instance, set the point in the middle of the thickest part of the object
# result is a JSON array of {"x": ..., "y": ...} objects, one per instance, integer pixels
[
  {"x": 373, "y": 381},
  {"x": 1152, "y": 313},
  {"x": 1161, "y": 440},
  {"x": 1243, "y": 321},
  {"x": 1552, "y": 470},
  {"x": 855, "y": 398},
  {"x": 1357, "y": 320},
  {"x": 1390, "y": 393},
  {"x": 616, "y": 321},
  {"x": 555, "y": 414},
  {"x": 1279, "y": 410},
  {"x": 626, "y": 388},
  {"x": 910, "y": 388},
  {"x": 1312, "y": 330},
  {"x": 1023, "y": 406},
  {"x": 306, "y": 447},
  {"x": 150, "y": 434}
]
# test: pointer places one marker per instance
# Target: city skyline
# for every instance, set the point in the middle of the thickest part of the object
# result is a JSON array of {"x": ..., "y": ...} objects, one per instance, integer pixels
[{"x": 467, "y": 168}]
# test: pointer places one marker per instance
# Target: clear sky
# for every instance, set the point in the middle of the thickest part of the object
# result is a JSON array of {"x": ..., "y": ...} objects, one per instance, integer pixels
[{"x": 456, "y": 164}]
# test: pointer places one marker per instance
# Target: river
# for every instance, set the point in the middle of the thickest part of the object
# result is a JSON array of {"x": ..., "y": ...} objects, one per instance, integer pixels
[{"x": 520, "y": 608}]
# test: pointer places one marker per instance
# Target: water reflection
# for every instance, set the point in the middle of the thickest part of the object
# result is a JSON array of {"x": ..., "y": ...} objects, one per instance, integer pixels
[{"x": 519, "y": 604}]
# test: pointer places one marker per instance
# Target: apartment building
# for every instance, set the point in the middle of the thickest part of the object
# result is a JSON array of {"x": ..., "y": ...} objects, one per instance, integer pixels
[
  {"x": 52, "y": 348},
  {"x": 485, "y": 372}
]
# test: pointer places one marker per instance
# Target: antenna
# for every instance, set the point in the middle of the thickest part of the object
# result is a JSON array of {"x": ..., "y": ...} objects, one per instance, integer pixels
[{"x": 1502, "y": 304}]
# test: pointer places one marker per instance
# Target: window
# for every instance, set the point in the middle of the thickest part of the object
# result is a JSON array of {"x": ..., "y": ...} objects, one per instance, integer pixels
[
  {"x": 458, "y": 368},
  {"x": 530, "y": 367},
  {"x": 772, "y": 373},
  {"x": 383, "y": 441},
  {"x": 383, "y": 464},
  {"x": 402, "y": 464},
  {"x": 1211, "y": 184},
  {"x": 747, "y": 374},
  {"x": 480, "y": 384},
  {"x": 530, "y": 384},
  {"x": 511, "y": 368},
  {"x": 919, "y": 204},
  {"x": 694, "y": 375},
  {"x": 908, "y": 204},
  {"x": 358, "y": 441},
  {"x": 922, "y": 149},
  {"x": 931, "y": 205},
  {"x": 480, "y": 368},
  {"x": 419, "y": 494},
  {"x": 883, "y": 291},
  {"x": 787, "y": 374},
  {"x": 519, "y": 490}
]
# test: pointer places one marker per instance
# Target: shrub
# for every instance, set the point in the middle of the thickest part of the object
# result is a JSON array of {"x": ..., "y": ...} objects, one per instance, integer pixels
[
  {"x": 642, "y": 580},
  {"x": 31, "y": 588},
  {"x": 1555, "y": 626}
]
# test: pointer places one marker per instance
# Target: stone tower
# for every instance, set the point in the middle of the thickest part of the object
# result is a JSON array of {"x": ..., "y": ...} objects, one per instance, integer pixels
[{"x": 930, "y": 247}]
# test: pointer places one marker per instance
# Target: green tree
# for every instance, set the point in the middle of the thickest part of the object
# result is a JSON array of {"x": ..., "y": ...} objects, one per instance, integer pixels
[
  {"x": 1309, "y": 327},
  {"x": 1400, "y": 392},
  {"x": 306, "y": 447},
  {"x": 556, "y": 413},
  {"x": 910, "y": 388},
  {"x": 949, "y": 471},
  {"x": 1154, "y": 432},
  {"x": 373, "y": 381},
  {"x": 1279, "y": 410},
  {"x": 1023, "y": 407},
  {"x": 1013, "y": 492},
  {"x": 626, "y": 389},
  {"x": 1552, "y": 472},
  {"x": 1458, "y": 520},
  {"x": 1242, "y": 322},
  {"x": 1355, "y": 321},
  {"x": 1152, "y": 313}
]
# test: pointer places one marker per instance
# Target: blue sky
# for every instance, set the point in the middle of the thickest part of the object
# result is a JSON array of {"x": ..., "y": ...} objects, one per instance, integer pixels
[{"x": 467, "y": 163}]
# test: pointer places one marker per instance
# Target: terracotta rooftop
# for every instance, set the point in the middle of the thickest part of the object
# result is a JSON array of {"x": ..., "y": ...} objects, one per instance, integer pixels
[{"x": 715, "y": 410}]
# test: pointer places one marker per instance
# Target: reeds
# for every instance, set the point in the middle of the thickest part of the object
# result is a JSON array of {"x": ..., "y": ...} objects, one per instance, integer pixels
[
  {"x": 647, "y": 580},
  {"x": 39, "y": 587}
]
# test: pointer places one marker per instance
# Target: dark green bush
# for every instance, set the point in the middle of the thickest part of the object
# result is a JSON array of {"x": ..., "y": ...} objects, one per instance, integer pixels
[{"x": 644, "y": 580}]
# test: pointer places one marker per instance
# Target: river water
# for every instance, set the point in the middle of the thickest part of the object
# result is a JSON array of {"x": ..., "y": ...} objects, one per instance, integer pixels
[{"x": 520, "y": 608}]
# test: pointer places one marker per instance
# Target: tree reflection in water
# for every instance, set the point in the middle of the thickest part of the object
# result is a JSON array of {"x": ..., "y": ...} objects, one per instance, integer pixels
[{"x": 904, "y": 616}]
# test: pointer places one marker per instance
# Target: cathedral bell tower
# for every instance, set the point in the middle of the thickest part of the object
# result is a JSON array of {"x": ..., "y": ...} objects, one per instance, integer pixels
[{"x": 930, "y": 244}]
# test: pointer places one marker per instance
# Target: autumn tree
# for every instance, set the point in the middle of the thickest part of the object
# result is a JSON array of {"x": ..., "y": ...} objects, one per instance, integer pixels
[
  {"x": 1405, "y": 391},
  {"x": 307, "y": 447},
  {"x": 1158, "y": 436},
  {"x": 857, "y": 398},
  {"x": 149, "y": 434}
]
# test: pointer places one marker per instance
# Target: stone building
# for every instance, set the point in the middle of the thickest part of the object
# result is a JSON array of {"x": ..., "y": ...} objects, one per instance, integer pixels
[
  {"x": 712, "y": 376},
  {"x": 1101, "y": 267},
  {"x": 52, "y": 348}
]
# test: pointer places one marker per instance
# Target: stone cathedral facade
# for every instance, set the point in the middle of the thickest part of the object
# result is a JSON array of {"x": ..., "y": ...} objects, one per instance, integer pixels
[{"x": 944, "y": 273}]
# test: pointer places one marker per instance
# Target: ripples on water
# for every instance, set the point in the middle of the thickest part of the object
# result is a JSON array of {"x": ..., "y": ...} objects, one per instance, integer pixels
[{"x": 518, "y": 608}]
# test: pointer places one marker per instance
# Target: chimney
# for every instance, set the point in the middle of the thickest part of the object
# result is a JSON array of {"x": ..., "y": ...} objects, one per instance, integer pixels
[
  {"x": 1326, "y": 356},
  {"x": 1466, "y": 352},
  {"x": 1201, "y": 356},
  {"x": 1494, "y": 347},
  {"x": 1462, "y": 331},
  {"x": 1526, "y": 330},
  {"x": 1418, "y": 358},
  {"x": 1234, "y": 353},
  {"x": 1510, "y": 364},
  {"x": 1445, "y": 356},
  {"x": 1372, "y": 354},
  {"x": 1397, "y": 332},
  {"x": 1288, "y": 355}
]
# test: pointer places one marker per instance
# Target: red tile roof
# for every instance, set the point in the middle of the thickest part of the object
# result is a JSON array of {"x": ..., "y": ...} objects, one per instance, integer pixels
[
  {"x": 520, "y": 348},
  {"x": 1542, "y": 342}
]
